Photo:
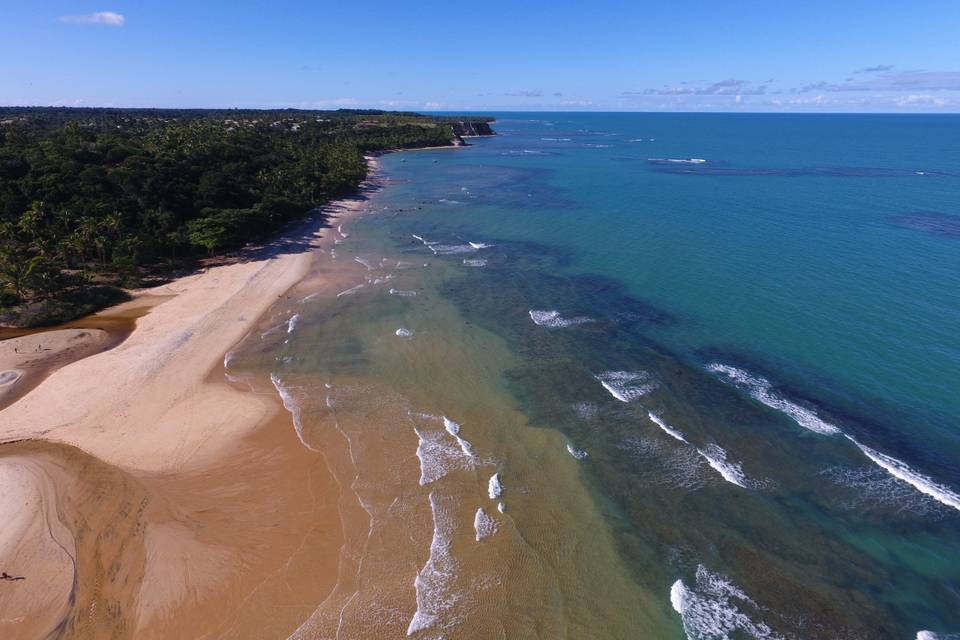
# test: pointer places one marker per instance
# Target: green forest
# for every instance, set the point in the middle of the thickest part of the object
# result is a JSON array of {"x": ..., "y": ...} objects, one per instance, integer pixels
[{"x": 92, "y": 200}]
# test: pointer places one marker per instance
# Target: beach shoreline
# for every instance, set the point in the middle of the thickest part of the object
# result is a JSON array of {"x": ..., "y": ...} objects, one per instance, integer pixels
[{"x": 115, "y": 449}]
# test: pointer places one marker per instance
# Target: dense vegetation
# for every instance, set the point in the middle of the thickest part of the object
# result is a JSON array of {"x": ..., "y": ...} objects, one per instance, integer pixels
[{"x": 95, "y": 197}]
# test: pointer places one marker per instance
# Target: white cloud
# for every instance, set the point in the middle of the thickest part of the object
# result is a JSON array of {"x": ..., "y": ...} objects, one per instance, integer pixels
[
  {"x": 921, "y": 100},
  {"x": 107, "y": 18}
]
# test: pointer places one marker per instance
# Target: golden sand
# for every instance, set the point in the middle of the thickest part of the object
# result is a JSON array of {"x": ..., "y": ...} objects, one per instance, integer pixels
[{"x": 150, "y": 497}]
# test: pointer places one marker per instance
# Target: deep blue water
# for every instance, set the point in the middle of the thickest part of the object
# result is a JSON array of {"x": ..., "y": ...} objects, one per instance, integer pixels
[{"x": 781, "y": 294}]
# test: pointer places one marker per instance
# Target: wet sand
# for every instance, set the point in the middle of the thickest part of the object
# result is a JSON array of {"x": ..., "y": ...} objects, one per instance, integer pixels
[{"x": 151, "y": 497}]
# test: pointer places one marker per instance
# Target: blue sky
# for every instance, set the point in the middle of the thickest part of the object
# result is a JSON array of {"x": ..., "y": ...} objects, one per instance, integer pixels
[{"x": 685, "y": 55}]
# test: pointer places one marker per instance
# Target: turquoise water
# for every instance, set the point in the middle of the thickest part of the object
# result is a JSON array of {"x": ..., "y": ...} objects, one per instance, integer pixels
[{"x": 794, "y": 281}]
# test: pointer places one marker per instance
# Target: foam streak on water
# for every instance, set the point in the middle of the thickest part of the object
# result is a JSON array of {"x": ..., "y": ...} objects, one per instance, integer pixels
[
  {"x": 290, "y": 404},
  {"x": 715, "y": 456},
  {"x": 761, "y": 390},
  {"x": 351, "y": 290},
  {"x": 923, "y": 484},
  {"x": 627, "y": 386},
  {"x": 434, "y": 583},
  {"x": 454, "y": 429}
]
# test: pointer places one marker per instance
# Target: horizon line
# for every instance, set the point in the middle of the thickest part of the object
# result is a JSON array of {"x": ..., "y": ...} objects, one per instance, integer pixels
[{"x": 479, "y": 110}]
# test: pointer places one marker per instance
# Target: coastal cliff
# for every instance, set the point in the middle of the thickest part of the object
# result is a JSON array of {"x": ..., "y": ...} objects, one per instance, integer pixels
[{"x": 472, "y": 128}]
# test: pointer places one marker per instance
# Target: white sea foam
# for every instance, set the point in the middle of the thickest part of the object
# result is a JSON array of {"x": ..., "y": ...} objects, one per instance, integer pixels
[
  {"x": 402, "y": 293},
  {"x": 553, "y": 319},
  {"x": 494, "y": 487},
  {"x": 365, "y": 263},
  {"x": 866, "y": 489},
  {"x": 422, "y": 240},
  {"x": 439, "y": 451},
  {"x": 452, "y": 249},
  {"x": 715, "y": 456},
  {"x": 678, "y": 160},
  {"x": 714, "y": 608},
  {"x": 475, "y": 262},
  {"x": 449, "y": 201},
  {"x": 404, "y": 333},
  {"x": 586, "y": 410},
  {"x": 579, "y": 454},
  {"x": 310, "y": 297},
  {"x": 340, "y": 231},
  {"x": 291, "y": 405},
  {"x": 454, "y": 429},
  {"x": 484, "y": 525},
  {"x": 731, "y": 471},
  {"x": 438, "y": 456},
  {"x": 434, "y": 583},
  {"x": 657, "y": 420},
  {"x": 292, "y": 322},
  {"x": 901, "y": 471},
  {"x": 930, "y": 635},
  {"x": 479, "y": 245},
  {"x": 351, "y": 290},
  {"x": 762, "y": 391},
  {"x": 627, "y": 386}
]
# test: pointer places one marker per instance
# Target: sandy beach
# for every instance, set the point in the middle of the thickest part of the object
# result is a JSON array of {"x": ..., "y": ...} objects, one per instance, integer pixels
[{"x": 151, "y": 497}]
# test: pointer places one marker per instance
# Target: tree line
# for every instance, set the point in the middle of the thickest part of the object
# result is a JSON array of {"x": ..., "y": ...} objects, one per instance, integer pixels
[{"x": 93, "y": 198}]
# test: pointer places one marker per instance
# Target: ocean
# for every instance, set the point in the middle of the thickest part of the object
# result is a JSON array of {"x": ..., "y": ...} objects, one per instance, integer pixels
[{"x": 641, "y": 375}]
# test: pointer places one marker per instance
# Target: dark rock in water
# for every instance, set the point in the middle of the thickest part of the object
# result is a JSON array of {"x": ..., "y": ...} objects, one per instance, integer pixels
[{"x": 941, "y": 224}]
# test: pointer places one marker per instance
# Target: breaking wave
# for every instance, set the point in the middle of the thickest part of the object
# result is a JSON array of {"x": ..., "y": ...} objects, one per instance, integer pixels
[
  {"x": 434, "y": 583},
  {"x": 898, "y": 469},
  {"x": 731, "y": 471},
  {"x": 714, "y": 607},
  {"x": 627, "y": 386},
  {"x": 553, "y": 319},
  {"x": 762, "y": 391},
  {"x": 579, "y": 454},
  {"x": 494, "y": 487},
  {"x": 442, "y": 451},
  {"x": 676, "y": 160},
  {"x": 657, "y": 420},
  {"x": 715, "y": 456}
]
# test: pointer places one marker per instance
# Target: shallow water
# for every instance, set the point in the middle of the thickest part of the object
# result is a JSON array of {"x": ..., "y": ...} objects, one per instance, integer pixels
[{"x": 720, "y": 399}]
